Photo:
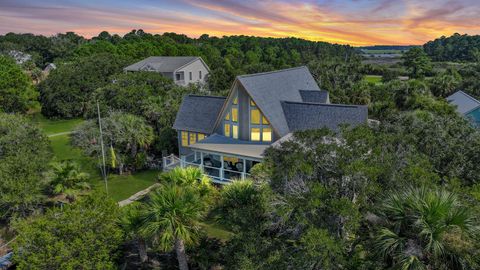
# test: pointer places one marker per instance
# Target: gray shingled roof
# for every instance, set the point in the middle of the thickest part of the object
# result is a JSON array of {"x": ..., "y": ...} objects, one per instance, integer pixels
[
  {"x": 314, "y": 96},
  {"x": 304, "y": 116},
  {"x": 270, "y": 88},
  {"x": 162, "y": 63},
  {"x": 198, "y": 113},
  {"x": 464, "y": 102}
]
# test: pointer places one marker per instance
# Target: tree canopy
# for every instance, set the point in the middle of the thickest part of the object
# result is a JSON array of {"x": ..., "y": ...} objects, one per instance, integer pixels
[{"x": 17, "y": 93}]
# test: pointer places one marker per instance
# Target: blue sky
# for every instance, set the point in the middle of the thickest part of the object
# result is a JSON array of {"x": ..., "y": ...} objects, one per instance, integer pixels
[{"x": 355, "y": 22}]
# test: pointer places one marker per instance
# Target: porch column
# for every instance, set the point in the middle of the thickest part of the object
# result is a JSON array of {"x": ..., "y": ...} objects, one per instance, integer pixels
[
  {"x": 201, "y": 161},
  {"x": 244, "y": 171},
  {"x": 221, "y": 168}
]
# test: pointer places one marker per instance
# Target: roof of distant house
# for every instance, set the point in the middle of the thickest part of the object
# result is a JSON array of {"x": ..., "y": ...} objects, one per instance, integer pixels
[
  {"x": 162, "y": 63},
  {"x": 198, "y": 113},
  {"x": 305, "y": 116},
  {"x": 464, "y": 102}
]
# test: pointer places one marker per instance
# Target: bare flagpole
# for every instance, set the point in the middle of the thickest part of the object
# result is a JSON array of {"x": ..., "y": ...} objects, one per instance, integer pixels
[{"x": 104, "y": 171}]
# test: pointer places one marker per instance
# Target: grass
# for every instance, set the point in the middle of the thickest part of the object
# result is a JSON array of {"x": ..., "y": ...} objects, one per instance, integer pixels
[
  {"x": 215, "y": 230},
  {"x": 376, "y": 79},
  {"x": 55, "y": 126},
  {"x": 120, "y": 187}
]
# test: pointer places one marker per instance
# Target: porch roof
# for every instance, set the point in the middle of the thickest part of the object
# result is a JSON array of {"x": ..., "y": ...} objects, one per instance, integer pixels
[{"x": 228, "y": 146}]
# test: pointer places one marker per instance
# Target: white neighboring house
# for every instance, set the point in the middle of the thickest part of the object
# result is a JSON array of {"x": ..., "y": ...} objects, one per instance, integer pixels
[{"x": 183, "y": 70}]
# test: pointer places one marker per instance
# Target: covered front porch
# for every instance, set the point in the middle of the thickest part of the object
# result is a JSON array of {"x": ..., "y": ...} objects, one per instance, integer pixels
[{"x": 223, "y": 160}]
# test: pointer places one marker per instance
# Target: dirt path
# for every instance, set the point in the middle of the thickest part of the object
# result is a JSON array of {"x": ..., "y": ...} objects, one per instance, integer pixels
[
  {"x": 60, "y": 134},
  {"x": 137, "y": 196}
]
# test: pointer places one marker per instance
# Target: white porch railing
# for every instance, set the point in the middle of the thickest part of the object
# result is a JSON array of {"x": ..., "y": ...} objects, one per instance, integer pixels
[{"x": 218, "y": 175}]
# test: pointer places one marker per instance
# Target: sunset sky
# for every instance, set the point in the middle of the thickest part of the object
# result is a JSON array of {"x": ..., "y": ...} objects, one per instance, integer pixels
[{"x": 354, "y": 22}]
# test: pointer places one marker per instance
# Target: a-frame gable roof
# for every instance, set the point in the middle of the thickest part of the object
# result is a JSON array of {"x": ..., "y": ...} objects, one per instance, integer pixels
[{"x": 269, "y": 89}]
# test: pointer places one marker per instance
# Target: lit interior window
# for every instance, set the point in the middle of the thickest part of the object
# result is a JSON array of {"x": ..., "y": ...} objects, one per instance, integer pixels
[
  {"x": 255, "y": 116},
  {"x": 235, "y": 101},
  {"x": 267, "y": 134},
  {"x": 252, "y": 103},
  {"x": 227, "y": 130},
  {"x": 234, "y": 115},
  {"x": 264, "y": 120},
  {"x": 255, "y": 134},
  {"x": 201, "y": 136},
  {"x": 227, "y": 117},
  {"x": 184, "y": 138},
  {"x": 235, "y": 131},
  {"x": 193, "y": 138}
]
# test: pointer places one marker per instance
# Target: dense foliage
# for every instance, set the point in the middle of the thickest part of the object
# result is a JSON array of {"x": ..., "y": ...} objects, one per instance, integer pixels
[
  {"x": 83, "y": 235},
  {"x": 148, "y": 95},
  {"x": 126, "y": 138},
  {"x": 16, "y": 90},
  {"x": 24, "y": 156},
  {"x": 68, "y": 89},
  {"x": 454, "y": 48}
]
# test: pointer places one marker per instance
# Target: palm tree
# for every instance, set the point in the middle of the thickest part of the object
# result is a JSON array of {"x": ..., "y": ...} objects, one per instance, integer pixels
[
  {"x": 419, "y": 226},
  {"x": 131, "y": 222},
  {"x": 67, "y": 178},
  {"x": 173, "y": 212}
]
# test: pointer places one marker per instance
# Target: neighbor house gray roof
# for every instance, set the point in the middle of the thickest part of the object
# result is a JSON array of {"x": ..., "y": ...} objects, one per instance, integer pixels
[
  {"x": 269, "y": 89},
  {"x": 314, "y": 96},
  {"x": 198, "y": 113},
  {"x": 304, "y": 116},
  {"x": 464, "y": 102},
  {"x": 162, "y": 63}
]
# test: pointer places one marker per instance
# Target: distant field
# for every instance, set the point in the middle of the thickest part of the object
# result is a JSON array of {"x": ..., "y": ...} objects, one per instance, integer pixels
[
  {"x": 377, "y": 79},
  {"x": 370, "y": 51}
]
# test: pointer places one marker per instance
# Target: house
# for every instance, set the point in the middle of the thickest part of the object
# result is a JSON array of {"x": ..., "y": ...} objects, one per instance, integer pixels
[
  {"x": 183, "y": 70},
  {"x": 226, "y": 136},
  {"x": 466, "y": 105}
]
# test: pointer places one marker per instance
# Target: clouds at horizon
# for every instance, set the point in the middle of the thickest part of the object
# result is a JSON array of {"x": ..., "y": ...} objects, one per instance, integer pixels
[{"x": 355, "y": 22}]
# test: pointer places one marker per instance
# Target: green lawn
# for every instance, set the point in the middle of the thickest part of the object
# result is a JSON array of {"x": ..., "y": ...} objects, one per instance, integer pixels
[
  {"x": 55, "y": 126},
  {"x": 376, "y": 79},
  {"x": 214, "y": 230},
  {"x": 120, "y": 187}
]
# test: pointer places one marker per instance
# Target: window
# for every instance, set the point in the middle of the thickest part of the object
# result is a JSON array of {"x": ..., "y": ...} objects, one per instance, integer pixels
[
  {"x": 184, "y": 135},
  {"x": 234, "y": 114},
  {"x": 230, "y": 128},
  {"x": 200, "y": 74},
  {"x": 190, "y": 75},
  {"x": 178, "y": 76},
  {"x": 255, "y": 134},
  {"x": 260, "y": 129},
  {"x": 193, "y": 138},
  {"x": 266, "y": 134},
  {"x": 201, "y": 136},
  {"x": 235, "y": 131},
  {"x": 254, "y": 116},
  {"x": 226, "y": 130},
  {"x": 264, "y": 120}
]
